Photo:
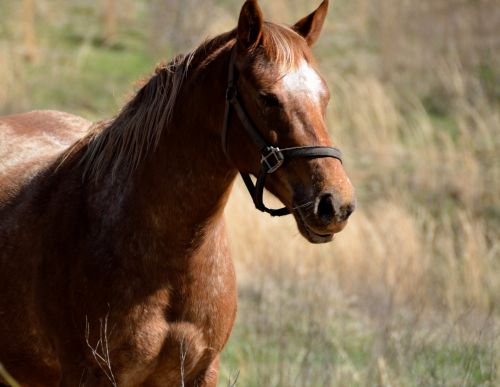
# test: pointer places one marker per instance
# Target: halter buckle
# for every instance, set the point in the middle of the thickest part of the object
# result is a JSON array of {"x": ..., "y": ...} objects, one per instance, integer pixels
[{"x": 272, "y": 160}]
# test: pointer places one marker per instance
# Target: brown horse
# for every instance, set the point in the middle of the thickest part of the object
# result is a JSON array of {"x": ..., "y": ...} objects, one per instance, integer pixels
[{"x": 115, "y": 268}]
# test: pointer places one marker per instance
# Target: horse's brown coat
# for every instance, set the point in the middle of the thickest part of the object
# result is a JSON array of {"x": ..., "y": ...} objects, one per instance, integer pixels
[{"x": 115, "y": 267}]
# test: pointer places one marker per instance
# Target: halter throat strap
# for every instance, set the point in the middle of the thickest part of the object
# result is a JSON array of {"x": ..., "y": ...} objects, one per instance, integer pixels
[{"x": 272, "y": 158}]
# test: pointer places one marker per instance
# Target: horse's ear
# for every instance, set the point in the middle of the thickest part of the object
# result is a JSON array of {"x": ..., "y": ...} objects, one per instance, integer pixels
[
  {"x": 310, "y": 26},
  {"x": 250, "y": 25}
]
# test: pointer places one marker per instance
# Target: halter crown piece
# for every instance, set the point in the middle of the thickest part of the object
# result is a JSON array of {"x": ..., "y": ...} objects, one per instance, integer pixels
[{"x": 272, "y": 158}]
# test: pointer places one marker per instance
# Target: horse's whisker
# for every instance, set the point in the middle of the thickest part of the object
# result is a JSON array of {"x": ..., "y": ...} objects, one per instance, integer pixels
[{"x": 305, "y": 205}]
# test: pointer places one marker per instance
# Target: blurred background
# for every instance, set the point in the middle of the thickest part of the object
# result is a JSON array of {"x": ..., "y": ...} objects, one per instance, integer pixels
[{"x": 409, "y": 293}]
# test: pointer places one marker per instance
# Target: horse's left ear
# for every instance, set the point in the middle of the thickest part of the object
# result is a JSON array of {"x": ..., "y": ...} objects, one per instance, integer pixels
[
  {"x": 250, "y": 25},
  {"x": 310, "y": 26}
]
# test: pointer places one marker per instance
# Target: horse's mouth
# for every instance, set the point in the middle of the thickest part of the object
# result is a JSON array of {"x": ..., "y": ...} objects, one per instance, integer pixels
[{"x": 311, "y": 235}]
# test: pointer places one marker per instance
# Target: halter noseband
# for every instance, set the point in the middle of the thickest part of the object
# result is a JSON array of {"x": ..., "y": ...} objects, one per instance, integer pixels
[{"x": 272, "y": 158}]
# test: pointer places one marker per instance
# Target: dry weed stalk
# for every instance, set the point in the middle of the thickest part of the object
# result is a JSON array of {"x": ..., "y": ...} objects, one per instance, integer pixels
[
  {"x": 100, "y": 351},
  {"x": 7, "y": 377}
]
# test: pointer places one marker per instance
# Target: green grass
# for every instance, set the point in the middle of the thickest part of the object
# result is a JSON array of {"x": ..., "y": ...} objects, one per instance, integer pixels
[{"x": 349, "y": 353}]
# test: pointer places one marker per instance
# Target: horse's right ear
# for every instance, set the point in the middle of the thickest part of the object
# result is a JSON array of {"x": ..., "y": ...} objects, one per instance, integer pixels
[{"x": 250, "y": 25}]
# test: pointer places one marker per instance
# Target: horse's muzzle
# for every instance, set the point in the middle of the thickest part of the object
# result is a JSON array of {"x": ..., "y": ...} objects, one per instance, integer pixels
[{"x": 323, "y": 218}]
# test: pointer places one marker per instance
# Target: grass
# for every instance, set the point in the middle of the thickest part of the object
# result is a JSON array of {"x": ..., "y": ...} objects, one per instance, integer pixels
[
  {"x": 389, "y": 310},
  {"x": 409, "y": 293},
  {"x": 344, "y": 355}
]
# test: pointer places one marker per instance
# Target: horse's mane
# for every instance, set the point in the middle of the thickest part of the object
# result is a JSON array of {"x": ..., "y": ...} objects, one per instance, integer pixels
[
  {"x": 126, "y": 139},
  {"x": 123, "y": 142}
]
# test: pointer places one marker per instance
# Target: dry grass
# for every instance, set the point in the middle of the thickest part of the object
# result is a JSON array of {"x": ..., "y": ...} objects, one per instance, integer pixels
[{"x": 409, "y": 293}]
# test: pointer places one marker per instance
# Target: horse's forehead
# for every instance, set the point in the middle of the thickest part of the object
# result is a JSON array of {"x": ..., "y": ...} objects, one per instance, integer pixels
[{"x": 303, "y": 80}]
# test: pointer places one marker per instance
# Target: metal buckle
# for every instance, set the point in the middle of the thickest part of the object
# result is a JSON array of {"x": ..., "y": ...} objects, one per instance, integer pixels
[{"x": 272, "y": 160}]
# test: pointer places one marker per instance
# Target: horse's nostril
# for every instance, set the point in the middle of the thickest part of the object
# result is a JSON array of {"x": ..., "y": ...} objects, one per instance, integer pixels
[
  {"x": 346, "y": 211},
  {"x": 328, "y": 211},
  {"x": 326, "y": 208}
]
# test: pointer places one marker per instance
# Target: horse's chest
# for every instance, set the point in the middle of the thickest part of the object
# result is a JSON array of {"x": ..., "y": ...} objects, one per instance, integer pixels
[
  {"x": 203, "y": 296},
  {"x": 191, "y": 319},
  {"x": 207, "y": 298}
]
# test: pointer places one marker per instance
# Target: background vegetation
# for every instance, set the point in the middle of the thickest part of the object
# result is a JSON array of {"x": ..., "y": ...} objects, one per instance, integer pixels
[{"x": 409, "y": 293}]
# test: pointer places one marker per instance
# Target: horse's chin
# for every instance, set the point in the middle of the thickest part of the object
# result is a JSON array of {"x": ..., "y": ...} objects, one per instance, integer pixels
[{"x": 308, "y": 233}]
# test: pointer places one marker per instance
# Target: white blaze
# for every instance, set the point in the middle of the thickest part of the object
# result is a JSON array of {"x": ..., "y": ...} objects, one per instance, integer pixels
[{"x": 304, "y": 80}]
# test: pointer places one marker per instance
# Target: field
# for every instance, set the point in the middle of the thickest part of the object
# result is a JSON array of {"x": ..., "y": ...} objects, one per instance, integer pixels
[{"x": 409, "y": 293}]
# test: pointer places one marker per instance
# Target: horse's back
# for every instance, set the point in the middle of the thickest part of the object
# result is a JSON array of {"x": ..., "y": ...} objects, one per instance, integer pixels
[{"x": 29, "y": 141}]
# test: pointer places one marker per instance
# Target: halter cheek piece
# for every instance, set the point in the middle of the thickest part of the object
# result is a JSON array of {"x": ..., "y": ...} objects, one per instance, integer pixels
[{"x": 272, "y": 158}]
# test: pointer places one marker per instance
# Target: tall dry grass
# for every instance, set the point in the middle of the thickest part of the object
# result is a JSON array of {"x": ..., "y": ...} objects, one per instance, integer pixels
[
  {"x": 413, "y": 283},
  {"x": 409, "y": 293},
  {"x": 417, "y": 267}
]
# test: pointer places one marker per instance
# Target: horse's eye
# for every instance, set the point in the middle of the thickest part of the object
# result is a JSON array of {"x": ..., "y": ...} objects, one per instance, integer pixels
[{"x": 269, "y": 100}]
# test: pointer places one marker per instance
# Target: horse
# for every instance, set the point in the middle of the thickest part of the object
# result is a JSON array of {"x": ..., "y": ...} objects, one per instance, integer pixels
[{"x": 115, "y": 268}]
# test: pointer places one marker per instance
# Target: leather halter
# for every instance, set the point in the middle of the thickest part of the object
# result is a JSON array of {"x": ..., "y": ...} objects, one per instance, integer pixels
[{"x": 272, "y": 158}]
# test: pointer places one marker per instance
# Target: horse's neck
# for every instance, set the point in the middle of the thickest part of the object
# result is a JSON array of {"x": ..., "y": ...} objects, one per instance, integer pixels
[{"x": 179, "y": 193}]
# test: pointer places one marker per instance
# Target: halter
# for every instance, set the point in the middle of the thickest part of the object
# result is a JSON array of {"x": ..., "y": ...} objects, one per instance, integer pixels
[{"x": 272, "y": 158}]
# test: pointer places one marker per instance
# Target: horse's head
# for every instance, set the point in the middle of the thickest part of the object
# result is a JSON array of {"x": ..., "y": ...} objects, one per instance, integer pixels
[{"x": 285, "y": 98}]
